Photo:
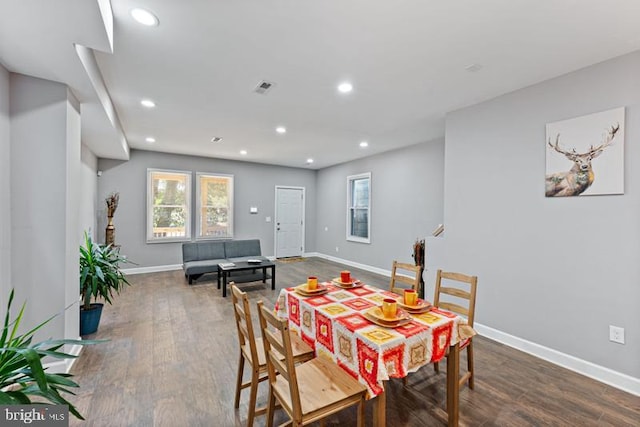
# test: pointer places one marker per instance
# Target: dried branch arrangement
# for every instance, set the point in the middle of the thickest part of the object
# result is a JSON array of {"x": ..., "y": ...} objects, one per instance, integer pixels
[{"x": 112, "y": 203}]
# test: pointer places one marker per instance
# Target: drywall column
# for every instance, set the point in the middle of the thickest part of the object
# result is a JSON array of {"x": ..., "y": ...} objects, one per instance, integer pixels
[
  {"x": 72, "y": 217},
  {"x": 44, "y": 192},
  {"x": 5, "y": 190},
  {"x": 89, "y": 191}
]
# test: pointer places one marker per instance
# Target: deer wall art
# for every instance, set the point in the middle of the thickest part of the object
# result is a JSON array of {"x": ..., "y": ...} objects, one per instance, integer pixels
[{"x": 580, "y": 177}]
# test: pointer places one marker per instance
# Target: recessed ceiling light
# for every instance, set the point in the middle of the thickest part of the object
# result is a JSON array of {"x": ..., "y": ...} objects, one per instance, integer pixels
[
  {"x": 243, "y": 152},
  {"x": 281, "y": 129},
  {"x": 144, "y": 17},
  {"x": 150, "y": 139},
  {"x": 216, "y": 139},
  {"x": 364, "y": 144},
  {"x": 309, "y": 161},
  {"x": 345, "y": 87},
  {"x": 148, "y": 103},
  {"x": 473, "y": 68}
]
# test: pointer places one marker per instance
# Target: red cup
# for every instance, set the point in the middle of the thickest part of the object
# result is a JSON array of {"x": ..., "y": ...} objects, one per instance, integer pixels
[{"x": 345, "y": 276}]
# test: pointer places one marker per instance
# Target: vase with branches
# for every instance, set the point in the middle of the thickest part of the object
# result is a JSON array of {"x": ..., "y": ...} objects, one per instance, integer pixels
[{"x": 112, "y": 204}]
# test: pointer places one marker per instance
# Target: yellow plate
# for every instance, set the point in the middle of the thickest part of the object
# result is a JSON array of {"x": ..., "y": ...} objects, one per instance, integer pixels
[
  {"x": 304, "y": 290},
  {"x": 376, "y": 312},
  {"x": 382, "y": 321},
  {"x": 421, "y": 307},
  {"x": 351, "y": 282},
  {"x": 347, "y": 285}
]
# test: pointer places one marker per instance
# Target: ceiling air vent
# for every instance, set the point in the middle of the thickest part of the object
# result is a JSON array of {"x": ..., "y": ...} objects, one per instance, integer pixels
[{"x": 263, "y": 87}]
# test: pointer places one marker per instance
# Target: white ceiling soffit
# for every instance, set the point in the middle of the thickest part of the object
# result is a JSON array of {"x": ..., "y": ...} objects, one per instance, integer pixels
[
  {"x": 38, "y": 38},
  {"x": 408, "y": 62},
  {"x": 115, "y": 132}
]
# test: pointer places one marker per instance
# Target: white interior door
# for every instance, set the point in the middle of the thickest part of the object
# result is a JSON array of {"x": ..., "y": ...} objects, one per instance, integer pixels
[{"x": 289, "y": 221}]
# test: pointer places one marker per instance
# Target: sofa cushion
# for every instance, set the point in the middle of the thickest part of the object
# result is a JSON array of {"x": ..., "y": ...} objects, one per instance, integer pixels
[
  {"x": 211, "y": 250},
  {"x": 201, "y": 267},
  {"x": 190, "y": 252},
  {"x": 242, "y": 248}
]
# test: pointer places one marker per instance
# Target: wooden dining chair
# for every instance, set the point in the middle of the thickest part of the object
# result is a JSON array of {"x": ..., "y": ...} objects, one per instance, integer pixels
[
  {"x": 252, "y": 351},
  {"x": 310, "y": 391},
  {"x": 407, "y": 274},
  {"x": 463, "y": 290}
]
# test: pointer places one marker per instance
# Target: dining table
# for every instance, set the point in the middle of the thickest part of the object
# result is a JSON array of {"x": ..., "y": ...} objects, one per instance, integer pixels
[{"x": 336, "y": 322}]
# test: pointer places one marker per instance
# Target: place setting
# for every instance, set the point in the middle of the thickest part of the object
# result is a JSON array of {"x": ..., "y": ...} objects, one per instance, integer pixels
[
  {"x": 412, "y": 304},
  {"x": 388, "y": 315},
  {"x": 311, "y": 288},
  {"x": 345, "y": 281}
]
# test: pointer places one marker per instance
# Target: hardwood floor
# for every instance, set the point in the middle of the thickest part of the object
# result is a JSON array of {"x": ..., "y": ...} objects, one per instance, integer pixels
[{"x": 173, "y": 354}]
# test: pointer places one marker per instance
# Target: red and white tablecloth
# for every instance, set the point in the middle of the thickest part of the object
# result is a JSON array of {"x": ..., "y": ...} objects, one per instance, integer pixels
[{"x": 334, "y": 326}]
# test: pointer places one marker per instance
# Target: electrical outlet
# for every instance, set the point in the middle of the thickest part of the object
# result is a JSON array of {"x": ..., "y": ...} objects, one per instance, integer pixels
[
  {"x": 337, "y": 249},
  {"x": 616, "y": 334}
]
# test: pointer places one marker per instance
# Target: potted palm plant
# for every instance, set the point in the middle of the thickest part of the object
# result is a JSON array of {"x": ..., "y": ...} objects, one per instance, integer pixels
[
  {"x": 21, "y": 372},
  {"x": 100, "y": 278}
]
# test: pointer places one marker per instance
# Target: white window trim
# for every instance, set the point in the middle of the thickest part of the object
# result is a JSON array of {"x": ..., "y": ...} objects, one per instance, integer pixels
[
  {"x": 199, "y": 206},
  {"x": 149, "y": 219},
  {"x": 350, "y": 237}
]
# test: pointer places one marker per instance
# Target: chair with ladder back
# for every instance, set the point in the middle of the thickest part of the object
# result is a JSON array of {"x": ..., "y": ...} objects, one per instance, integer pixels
[
  {"x": 252, "y": 352},
  {"x": 460, "y": 291},
  {"x": 310, "y": 391}
]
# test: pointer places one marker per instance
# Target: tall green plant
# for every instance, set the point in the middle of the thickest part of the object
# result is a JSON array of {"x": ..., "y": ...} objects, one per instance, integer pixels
[
  {"x": 100, "y": 273},
  {"x": 21, "y": 372}
]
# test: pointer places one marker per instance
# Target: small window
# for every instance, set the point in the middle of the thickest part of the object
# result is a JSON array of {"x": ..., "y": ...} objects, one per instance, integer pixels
[
  {"x": 359, "y": 208},
  {"x": 168, "y": 205},
  {"x": 215, "y": 206}
]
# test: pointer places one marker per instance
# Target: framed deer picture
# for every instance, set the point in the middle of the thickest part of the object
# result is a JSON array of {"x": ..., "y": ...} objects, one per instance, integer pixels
[{"x": 585, "y": 155}]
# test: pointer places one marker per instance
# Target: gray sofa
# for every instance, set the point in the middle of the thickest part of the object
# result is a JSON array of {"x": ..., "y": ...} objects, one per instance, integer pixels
[{"x": 200, "y": 258}]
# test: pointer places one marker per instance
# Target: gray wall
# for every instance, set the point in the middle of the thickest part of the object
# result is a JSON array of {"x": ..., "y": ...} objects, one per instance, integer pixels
[
  {"x": 89, "y": 191},
  {"x": 254, "y": 185},
  {"x": 5, "y": 189},
  {"x": 44, "y": 194},
  {"x": 406, "y": 204},
  {"x": 554, "y": 271}
]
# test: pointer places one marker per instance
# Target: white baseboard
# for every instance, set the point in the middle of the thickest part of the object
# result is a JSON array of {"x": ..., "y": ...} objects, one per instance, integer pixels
[
  {"x": 605, "y": 375},
  {"x": 351, "y": 263},
  {"x": 63, "y": 366},
  {"x": 152, "y": 269}
]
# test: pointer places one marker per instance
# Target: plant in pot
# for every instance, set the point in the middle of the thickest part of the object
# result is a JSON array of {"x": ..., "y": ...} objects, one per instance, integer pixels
[
  {"x": 22, "y": 375},
  {"x": 100, "y": 278}
]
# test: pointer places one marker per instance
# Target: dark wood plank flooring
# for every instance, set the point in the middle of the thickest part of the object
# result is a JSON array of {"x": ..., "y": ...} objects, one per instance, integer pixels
[{"x": 173, "y": 354}]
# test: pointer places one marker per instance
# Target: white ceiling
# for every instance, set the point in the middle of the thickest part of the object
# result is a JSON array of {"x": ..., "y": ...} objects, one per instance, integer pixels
[{"x": 406, "y": 60}]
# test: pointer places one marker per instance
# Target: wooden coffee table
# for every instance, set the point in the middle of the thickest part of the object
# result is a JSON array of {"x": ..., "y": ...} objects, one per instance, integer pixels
[{"x": 225, "y": 270}]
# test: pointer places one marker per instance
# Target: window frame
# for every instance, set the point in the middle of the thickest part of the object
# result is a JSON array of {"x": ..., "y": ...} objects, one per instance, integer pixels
[
  {"x": 350, "y": 207},
  {"x": 188, "y": 202},
  {"x": 231, "y": 208}
]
